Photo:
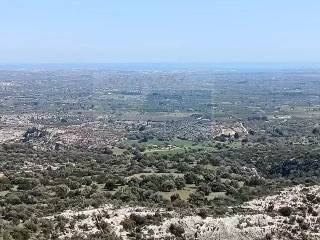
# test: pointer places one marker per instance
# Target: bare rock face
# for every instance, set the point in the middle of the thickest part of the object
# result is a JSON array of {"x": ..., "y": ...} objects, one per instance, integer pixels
[{"x": 33, "y": 133}]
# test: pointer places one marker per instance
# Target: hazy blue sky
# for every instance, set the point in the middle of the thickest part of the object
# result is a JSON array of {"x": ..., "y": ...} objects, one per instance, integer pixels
[{"x": 159, "y": 31}]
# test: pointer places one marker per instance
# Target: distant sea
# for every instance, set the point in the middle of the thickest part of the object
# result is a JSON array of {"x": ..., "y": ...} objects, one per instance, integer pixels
[{"x": 223, "y": 67}]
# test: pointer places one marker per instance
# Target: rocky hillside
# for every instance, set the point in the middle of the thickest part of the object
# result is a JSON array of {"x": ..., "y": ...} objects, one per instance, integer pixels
[{"x": 291, "y": 214}]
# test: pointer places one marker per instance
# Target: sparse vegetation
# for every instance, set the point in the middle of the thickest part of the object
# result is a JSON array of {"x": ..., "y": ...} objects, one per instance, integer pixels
[{"x": 177, "y": 151}]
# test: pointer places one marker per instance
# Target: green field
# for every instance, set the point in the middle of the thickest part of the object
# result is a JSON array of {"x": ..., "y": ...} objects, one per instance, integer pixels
[{"x": 184, "y": 193}]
